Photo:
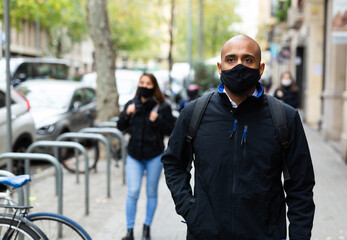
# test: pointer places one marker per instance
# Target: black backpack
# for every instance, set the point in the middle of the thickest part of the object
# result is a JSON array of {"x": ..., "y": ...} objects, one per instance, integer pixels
[{"x": 278, "y": 117}]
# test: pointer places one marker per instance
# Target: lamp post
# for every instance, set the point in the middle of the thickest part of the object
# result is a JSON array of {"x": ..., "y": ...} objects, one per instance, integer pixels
[{"x": 8, "y": 82}]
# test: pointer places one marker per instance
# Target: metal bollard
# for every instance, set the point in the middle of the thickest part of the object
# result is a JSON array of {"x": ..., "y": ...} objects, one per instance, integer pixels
[
  {"x": 66, "y": 144},
  {"x": 81, "y": 135},
  {"x": 45, "y": 157},
  {"x": 115, "y": 133}
]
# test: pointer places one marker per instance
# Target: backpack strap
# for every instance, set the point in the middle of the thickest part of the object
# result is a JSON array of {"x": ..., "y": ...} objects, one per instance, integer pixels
[
  {"x": 280, "y": 122},
  {"x": 199, "y": 108}
]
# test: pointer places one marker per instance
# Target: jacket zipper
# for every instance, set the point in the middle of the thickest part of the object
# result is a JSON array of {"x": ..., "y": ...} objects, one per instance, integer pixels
[
  {"x": 244, "y": 136},
  {"x": 234, "y": 129}
]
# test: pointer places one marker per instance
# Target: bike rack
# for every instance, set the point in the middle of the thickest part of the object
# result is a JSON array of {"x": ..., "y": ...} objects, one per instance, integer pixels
[
  {"x": 66, "y": 144},
  {"x": 107, "y": 124},
  {"x": 82, "y": 135},
  {"x": 19, "y": 190},
  {"x": 45, "y": 157},
  {"x": 111, "y": 132}
]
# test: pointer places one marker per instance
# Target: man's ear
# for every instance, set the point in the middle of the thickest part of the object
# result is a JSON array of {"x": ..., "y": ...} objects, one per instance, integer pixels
[
  {"x": 219, "y": 65},
  {"x": 261, "y": 68}
]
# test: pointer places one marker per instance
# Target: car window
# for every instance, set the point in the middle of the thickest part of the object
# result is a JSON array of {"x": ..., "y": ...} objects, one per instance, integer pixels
[
  {"x": 89, "y": 95},
  {"x": 78, "y": 96},
  {"x": 2, "y": 99},
  {"x": 23, "y": 68},
  {"x": 41, "y": 70}
]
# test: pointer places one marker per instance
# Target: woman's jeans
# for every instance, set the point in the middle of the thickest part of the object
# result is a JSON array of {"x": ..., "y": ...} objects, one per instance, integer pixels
[{"x": 134, "y": 175}]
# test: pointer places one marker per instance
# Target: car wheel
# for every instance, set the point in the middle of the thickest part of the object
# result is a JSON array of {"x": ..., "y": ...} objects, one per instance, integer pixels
[{"x": 65, "y": 153}]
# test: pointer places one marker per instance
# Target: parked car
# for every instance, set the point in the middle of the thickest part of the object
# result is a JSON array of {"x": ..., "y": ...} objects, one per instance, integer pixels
[
  {"x": 127, "y": 81},
  {"x": 59, "y": 106},
  {"x": 23, "y": 126},
  {"x": 22, "y": 69}
]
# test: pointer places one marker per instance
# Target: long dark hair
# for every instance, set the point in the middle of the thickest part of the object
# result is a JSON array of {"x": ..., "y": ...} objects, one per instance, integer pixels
[{"x": 158, "y": 95}]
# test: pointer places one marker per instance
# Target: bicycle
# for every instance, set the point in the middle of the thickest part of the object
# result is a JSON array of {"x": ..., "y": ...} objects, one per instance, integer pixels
[
  {"x": 16, "y": 227},
  {"x": 69, "y": 162},
  {"x": 53, "y": 225}
]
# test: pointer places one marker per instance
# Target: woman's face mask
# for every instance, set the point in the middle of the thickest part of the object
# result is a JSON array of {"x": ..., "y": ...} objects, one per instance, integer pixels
[
  {"x": 286, "y": 82},
  {"x": 240, "y": 78},
  {"x": 146, "y": 92}
]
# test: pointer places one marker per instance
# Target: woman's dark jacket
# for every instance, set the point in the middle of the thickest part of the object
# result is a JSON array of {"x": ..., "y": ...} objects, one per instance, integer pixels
[
  {"x": 146, "y": 139},
  {"x": 238, "y": 193},
  {"x": 290, "y": 97}
]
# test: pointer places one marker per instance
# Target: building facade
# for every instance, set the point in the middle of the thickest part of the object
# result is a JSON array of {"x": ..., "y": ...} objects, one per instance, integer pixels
[{"x": 311, "y": 43}]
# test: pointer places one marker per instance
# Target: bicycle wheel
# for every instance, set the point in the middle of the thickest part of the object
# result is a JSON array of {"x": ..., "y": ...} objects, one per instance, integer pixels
[
  {"x": 48, "y": 223},
  {"x": 15, "y": 227},
  {"x": 93, "y": 157}
]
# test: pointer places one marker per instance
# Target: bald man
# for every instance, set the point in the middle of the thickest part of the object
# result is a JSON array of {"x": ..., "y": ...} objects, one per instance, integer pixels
[{"x": 238, "y": 191}]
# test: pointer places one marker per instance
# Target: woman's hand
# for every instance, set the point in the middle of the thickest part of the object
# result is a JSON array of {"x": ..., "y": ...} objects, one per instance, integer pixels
[
  {"x": 153, "y": 116},
  {"x": 280, "y": 93},
  {"x": 131, "y": 109}
]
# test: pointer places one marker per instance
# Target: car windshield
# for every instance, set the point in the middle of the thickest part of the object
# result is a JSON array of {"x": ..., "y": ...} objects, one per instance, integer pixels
[{"x": 57, "y": 96}]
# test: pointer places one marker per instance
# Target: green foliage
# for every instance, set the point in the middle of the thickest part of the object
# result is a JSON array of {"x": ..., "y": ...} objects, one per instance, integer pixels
[
  {"x": 133, "y": 25},
  {"x": 205, "y": 75},
  {"x": 218, "y": 21},
  {"x": 139, "y": 28},
  {"x": 282, "y": 12},
  {"x": 59, "y": 17}
]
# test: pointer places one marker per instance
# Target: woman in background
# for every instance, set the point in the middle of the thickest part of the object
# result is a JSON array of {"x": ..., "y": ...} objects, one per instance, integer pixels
[
  {"x": 288, "y": 91},
  {"x": 147, "y": 118}
]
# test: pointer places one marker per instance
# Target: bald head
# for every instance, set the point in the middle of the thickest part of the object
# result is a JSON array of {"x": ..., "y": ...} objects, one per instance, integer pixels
[
  {"x": 242, "y": 40},
  {"x": 241, "y": 49}
]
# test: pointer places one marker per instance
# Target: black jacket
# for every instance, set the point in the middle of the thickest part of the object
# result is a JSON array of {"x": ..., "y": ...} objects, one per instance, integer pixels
[
  {"x": 290, "y": 97},
  {"x": 146, "y": 139},
  {"x": 238, "y": 193}
]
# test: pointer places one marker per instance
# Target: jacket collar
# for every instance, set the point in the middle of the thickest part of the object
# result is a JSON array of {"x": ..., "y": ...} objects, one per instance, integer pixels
[{"x": 248, "y": 102}]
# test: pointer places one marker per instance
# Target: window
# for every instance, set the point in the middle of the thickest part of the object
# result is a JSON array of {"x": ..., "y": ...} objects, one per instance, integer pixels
[{"x": 90, "y": 95}]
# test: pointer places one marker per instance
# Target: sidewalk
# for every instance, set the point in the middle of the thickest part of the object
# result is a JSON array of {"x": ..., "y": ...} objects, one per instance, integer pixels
[
  {"x": 107, "y": 216},
  {"x": 106, "y": 219}
]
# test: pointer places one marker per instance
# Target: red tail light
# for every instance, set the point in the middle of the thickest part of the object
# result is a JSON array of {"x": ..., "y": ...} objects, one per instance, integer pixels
[{"x": 26, "y": 100}]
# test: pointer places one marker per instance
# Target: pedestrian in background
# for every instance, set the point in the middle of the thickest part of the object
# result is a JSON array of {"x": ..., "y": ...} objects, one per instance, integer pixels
[
  {"x": 192, "y": 93},
  {"x": 288, "y": 91},
  {"x": 147, "y": 118},
  {"x": 238, "y": 192}
]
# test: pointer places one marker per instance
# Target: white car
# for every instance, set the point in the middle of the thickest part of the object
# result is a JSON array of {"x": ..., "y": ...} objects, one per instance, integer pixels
[
  {"x": 127, "y": 82},
  {"x": 23, "y": 127}
]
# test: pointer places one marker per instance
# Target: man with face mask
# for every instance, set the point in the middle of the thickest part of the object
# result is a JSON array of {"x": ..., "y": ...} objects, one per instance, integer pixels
[{"x": 238, "y": 192}]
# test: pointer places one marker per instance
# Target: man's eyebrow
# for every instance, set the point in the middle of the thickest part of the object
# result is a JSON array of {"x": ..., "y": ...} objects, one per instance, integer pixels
[
  {"x": 243, "y": 56},
  {"x": 248, "y": 55},
  {"x": 230, "y": 55}
]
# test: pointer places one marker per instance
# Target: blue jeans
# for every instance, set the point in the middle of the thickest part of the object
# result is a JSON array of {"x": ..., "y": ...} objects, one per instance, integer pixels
[{"x": 134, "y": 175}]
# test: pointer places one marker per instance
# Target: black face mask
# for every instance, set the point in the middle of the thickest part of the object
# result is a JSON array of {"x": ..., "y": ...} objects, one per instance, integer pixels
[
  {"x": 240, "y": 78},
  {"x": 145, "y": 92}
]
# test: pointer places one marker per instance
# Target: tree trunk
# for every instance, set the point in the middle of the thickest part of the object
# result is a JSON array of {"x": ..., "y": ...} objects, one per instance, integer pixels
[{"x": 106, "y": 92}]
